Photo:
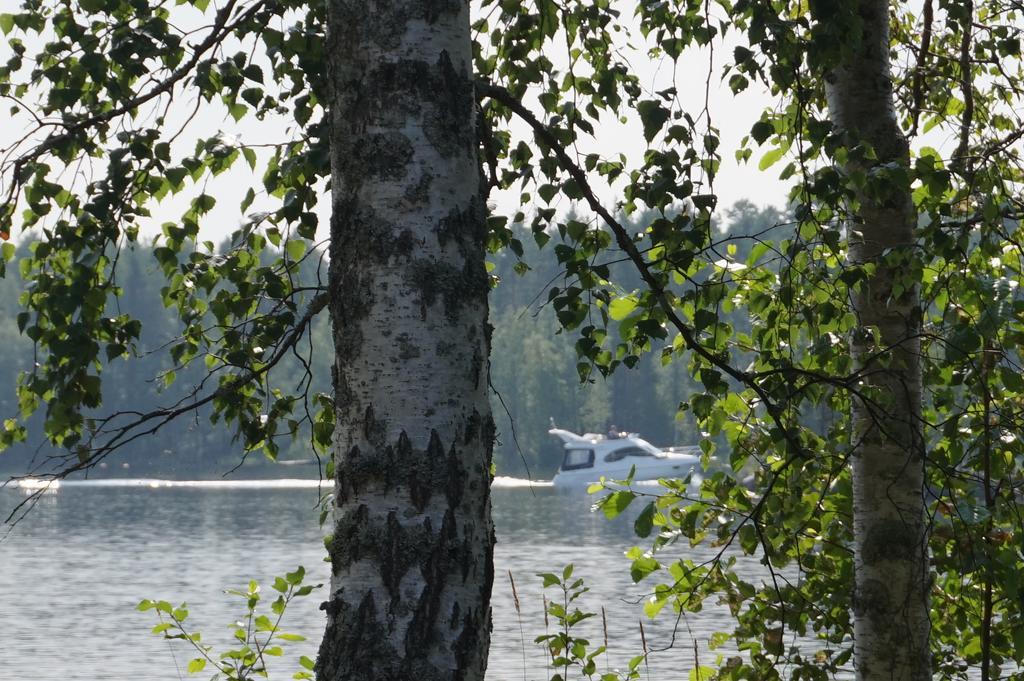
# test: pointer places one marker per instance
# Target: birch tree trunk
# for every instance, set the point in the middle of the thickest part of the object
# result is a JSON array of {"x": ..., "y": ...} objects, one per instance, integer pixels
[
  {"x": 891, "y": 622},
  {"x": 412, "y": 537}
]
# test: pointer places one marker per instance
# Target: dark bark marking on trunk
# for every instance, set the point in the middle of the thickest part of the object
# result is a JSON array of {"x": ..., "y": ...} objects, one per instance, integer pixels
[
  {"x": 435, "y": 9},
  {"x": 455, "y": 286},
  {"x": 385, "y": 155},
  {"x": 398, "y": 548},
  {"x": 420, "y": 192},
  {"x": 439, "y": 562},
  {"x": 374, "y": 429},
  {"x": 384, "y": 23},
  {"x": 348, "y": 540},
  {"x": 476, "y": 367},
  {"x": 466, "y": 227},
  {"x": 456, "y": 478},
  {"x": 407, "y": 349},
  {"x": 423, "y": 478},
  {"x": 364, "y": 234},
  {"x": 420, "y": 472},
  {"x": 439, "y": 94},
  {"x": 873, "y": 600},
  {"x": 444, "y": 348},
  {"x": 473, "y": 427},
  {"x": 361, "y": 637},
  {"x": 890, "y": 541},
  {"x": 469, "y": 640},
  {"x": 445, "y": 126}
]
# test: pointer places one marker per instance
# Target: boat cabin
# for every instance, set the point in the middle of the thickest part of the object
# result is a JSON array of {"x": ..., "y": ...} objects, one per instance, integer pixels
[
  {"x": 577, "y": 458},
  {"x": 589, "y": 457}
]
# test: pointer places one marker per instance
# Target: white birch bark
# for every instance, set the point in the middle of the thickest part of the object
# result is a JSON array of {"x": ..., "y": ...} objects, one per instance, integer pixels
[
  {"x": 890, "y": 601},
  {"x": 412, "y": 537}
]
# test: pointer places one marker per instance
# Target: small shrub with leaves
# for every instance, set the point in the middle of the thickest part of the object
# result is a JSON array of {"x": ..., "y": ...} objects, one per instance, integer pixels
[
  {"x": 259, "y": 636},
  {"x": 569, "y": 652}
]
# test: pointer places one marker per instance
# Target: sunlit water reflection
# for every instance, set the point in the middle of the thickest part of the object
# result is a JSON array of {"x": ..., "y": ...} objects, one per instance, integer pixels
[{"x": 72, "y": 572}]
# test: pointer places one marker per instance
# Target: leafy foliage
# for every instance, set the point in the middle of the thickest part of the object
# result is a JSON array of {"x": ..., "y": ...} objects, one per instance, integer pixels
[
  {"x": 258, "y": 636},
  {"x": 103, "y": 151},
  {"x": 149, "y": 381},
  {"x": 758, "y": 384}
]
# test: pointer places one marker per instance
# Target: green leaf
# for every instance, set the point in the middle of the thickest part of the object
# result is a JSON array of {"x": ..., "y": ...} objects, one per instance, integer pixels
[
  {"x": 621, "y": 307},
  {"x": 238, "y": 111},
  {"x": 770, "y": 158},
  {"x": 654, "y": 605},
  {"x": 702, "y": 673},
  {"x": 748, "y": 539},
  {"x": 616, "y": 502},
  {"x": 756, "y": 251},
  {"x": 549, "y": 579},
  {"x": 653, "y": 116},
  {"x": 643, "y": 566},
  {"x": 295, "y": 578},
  {"x": 644, "y": 522},
  {"x": 1012, "y": 379},
  {"x": 6, "y": 23},
  {"x": 253, "y": 72},
  {"x": 772, "y": 640},
  {"x": 196, "y": 665},
  {"x": 296, "y": 248},
  {"x": 761, "y": 131}
]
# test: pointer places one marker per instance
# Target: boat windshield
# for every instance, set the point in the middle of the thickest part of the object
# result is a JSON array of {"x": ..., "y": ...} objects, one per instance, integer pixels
[
  {"x": 578, "y": 458},
  {"x": 622, "y": 453}
]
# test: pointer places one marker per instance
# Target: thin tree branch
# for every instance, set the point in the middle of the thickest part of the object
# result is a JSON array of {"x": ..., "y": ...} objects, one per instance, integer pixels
[
  {"x": 967, "y": 87},
  {"x": 919, "y": 68}
]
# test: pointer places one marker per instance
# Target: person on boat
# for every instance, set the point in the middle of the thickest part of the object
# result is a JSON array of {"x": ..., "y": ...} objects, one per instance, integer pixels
[{"x": 613, "y": 432}]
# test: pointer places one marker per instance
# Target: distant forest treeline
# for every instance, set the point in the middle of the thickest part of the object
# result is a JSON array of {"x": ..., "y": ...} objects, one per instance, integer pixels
[{"x": 533, "y": 373}]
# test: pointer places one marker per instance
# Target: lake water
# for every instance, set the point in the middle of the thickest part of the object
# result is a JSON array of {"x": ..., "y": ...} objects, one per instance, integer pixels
[{"x": 72, "y": 572}]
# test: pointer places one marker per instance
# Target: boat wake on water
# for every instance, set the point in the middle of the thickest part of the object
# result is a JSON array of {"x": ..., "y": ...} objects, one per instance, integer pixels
[{"x": 506, "y": 482}]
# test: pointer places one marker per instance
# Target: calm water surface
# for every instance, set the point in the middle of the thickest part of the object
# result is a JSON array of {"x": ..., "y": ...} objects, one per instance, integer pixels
[{"x": 73, "y": 571}]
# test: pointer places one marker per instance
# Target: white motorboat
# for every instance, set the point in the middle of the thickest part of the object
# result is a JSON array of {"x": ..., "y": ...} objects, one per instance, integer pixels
[{"x": 589, "y": 457}]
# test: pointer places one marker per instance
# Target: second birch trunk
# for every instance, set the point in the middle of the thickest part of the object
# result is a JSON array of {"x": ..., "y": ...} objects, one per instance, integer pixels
[{"x": 891, "y": 606}]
